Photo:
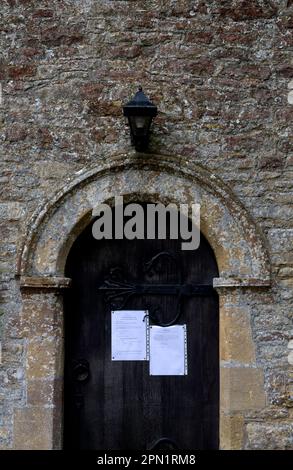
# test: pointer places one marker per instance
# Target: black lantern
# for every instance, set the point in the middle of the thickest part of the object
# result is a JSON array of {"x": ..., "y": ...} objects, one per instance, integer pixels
[{"x": 140, "y": 112}]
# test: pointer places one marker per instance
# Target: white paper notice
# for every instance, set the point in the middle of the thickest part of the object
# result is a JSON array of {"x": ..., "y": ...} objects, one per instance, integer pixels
[
  {"x": 129, "y": 335},
  {"x": 168, "y": 350}
]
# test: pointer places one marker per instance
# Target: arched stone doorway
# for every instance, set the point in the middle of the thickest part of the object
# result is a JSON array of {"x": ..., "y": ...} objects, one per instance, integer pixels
[
  {"x": 243, "y": 272},
  {"x": 135, "y": 410}
]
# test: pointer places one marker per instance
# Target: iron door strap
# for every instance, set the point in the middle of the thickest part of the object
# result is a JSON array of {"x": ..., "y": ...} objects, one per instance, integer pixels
[{"x": 118, "y": 291}]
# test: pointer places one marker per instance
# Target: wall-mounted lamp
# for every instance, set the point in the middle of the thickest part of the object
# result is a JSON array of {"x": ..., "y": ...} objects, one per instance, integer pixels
[{"x": 140, "y": 112}]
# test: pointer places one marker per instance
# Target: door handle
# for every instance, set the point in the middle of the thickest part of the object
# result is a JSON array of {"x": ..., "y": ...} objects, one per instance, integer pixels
[
  {"x": 81, "y": 370},
  {"x": 164, "y": 443}
]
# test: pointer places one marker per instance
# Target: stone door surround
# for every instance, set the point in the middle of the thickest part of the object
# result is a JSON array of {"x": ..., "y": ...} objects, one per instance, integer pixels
[{"x": 244, "y": 269}]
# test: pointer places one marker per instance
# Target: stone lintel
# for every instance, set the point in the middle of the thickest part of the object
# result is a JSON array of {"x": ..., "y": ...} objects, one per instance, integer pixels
[
  {"x": 220, "y": 282},
  {"x": 44, "y": 282},
  {"x": 50, "y": 282}
]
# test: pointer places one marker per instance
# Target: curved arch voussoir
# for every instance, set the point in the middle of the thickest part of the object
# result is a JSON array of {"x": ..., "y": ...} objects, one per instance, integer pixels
[{"x": 238, "y": 244}]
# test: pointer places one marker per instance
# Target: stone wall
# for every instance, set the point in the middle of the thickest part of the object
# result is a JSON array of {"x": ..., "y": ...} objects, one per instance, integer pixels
[{"x": 219, "y": 73}]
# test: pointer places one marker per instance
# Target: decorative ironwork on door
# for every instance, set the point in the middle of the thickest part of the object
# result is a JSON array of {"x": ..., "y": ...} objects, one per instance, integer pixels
[{"x": 118, "y": 290}]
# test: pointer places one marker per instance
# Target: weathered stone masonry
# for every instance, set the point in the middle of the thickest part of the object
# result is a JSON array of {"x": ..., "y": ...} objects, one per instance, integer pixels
[{"x": 219, "y": 73}]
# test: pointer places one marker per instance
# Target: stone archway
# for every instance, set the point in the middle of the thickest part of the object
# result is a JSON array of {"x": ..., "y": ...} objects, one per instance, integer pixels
[{"x": 242, "y": 261}]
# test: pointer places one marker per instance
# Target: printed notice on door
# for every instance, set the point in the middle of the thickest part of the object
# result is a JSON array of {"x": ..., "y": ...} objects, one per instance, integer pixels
[
  {"x": 129, "y": 335},
  {"x": 168, "y": 350}
]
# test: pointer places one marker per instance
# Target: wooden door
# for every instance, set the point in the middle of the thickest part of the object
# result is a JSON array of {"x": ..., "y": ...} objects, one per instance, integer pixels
[{"x": 118, "y": 405}]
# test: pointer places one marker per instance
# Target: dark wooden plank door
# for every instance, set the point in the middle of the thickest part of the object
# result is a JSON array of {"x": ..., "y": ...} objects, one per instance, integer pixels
[{"x": 119, "y": 405}]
